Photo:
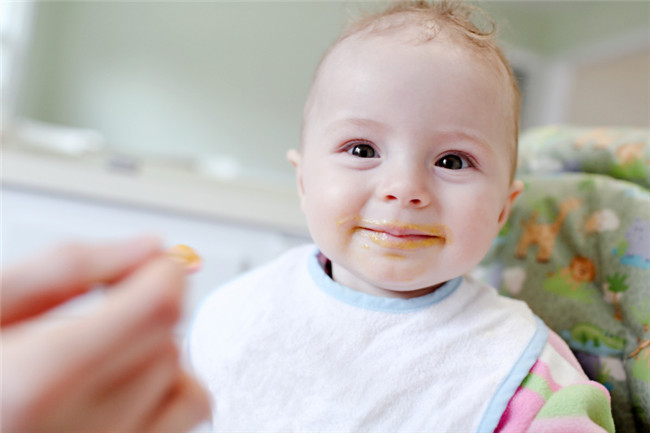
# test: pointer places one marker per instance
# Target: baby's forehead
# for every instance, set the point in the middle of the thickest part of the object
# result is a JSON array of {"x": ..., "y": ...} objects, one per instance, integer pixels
[
  {"x": 355, "y": 57},
  {"x": 350, "y": 54}
]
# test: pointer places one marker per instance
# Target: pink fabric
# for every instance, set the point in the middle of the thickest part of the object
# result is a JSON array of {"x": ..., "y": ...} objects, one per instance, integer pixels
[
  {"x": 540, "y": 368},
  {"x": 561, "y": 347},
  {"x": 524, "y": 405},
  {"x": 520, "y": 412}
]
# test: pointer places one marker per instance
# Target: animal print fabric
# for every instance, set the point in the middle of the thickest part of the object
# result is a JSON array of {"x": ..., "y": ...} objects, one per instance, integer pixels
[
  {"x": 576, "y": 248},
  {"x": 621, "y": 153}
]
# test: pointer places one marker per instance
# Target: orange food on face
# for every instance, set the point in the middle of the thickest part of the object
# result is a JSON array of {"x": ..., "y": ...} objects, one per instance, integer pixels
[{"x": 186, "y": 256}]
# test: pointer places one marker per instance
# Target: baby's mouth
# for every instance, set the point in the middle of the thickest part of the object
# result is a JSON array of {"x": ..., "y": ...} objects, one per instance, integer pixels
[{"x": 400, "y": 235}]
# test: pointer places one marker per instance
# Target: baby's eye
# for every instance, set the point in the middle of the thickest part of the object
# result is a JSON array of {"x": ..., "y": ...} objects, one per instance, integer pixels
[
  {"x": 453, "y": 162},
  {"x": 362, "y": 150}
]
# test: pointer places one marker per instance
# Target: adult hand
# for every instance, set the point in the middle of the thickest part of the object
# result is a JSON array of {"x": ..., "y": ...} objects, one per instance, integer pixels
[{"x": 116, "y": 369}]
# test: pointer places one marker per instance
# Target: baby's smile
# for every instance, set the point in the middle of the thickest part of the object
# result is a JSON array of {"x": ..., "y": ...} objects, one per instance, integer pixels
[{"x": 401, "y": 235}]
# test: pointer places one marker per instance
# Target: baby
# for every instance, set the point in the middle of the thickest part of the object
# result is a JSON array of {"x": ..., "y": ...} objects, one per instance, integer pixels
[{"x": 406, "y": 175}]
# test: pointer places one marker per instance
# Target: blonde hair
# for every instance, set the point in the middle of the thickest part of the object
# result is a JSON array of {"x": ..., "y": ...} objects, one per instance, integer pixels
[{"x": 463, "y": 24}]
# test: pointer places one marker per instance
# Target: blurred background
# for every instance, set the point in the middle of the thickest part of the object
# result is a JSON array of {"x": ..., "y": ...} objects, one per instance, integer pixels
[{"x": 121, "y": 117}]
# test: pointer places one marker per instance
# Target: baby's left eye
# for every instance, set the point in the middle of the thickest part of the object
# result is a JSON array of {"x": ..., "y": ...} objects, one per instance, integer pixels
[
  {"x": 362, "y": 150},
  {"x": 453, "y": 162}
]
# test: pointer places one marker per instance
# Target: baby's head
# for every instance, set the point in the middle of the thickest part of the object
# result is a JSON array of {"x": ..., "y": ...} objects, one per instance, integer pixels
[
  {"x": 419, "y": 22},
  {"x": 408, "y": 149}
]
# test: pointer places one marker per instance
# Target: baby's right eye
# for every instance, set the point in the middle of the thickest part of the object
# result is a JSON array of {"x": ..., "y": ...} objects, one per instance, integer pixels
[{"x": 362, "y": 150}]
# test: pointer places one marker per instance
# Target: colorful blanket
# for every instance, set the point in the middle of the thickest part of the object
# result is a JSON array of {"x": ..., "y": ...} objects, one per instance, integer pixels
[{"x": 577, "y": 249}]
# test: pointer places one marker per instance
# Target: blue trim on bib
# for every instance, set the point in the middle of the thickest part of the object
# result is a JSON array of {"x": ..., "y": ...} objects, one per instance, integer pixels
[
  {"x": 376, "y": 303},
  {"x": 511, "y": 383}
]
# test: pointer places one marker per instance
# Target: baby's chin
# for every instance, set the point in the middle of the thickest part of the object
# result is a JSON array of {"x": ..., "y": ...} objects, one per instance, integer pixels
[
  {"x": 405, "y": 281},
  {"x": 392, "y": 279}
]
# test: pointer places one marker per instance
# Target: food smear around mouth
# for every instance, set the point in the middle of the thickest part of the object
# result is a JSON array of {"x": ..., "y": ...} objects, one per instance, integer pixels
[
  {"x": 394, "y": 256},
  {"x": 405, "y": 242},
  {"x": 186, "y": 256},
  {"x": 400, "y": 235}
]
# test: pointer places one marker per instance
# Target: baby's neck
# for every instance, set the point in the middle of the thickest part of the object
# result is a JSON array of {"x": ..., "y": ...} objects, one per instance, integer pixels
[{"x": 345, "y": 278}]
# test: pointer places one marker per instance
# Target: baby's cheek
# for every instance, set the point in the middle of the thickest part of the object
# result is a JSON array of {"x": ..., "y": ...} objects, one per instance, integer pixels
[{"x": 475, "y": 236}]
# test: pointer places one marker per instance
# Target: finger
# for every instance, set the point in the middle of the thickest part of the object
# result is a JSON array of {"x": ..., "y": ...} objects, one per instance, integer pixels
[
  {"x": 137, "y": 395},
  {"x": 147, "y": 302},
  {"x": 149, "y": 299},
  {"x": 120, "y": 410},
  {"x": 128, "y": 360},
  {"x": 57, "y": 275},
  {"x": 184, "y": 408}
]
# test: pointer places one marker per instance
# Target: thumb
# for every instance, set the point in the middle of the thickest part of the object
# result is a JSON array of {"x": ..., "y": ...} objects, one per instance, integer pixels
[{"x": 55, "y": 276}]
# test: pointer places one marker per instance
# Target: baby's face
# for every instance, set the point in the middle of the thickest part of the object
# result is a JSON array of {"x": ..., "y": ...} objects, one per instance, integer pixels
[{"x": 405, "y": 167}]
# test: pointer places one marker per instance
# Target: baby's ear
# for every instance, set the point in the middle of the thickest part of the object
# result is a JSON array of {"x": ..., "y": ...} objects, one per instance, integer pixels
[
  {"x": 295, "y": 158},
  {"x": 516, "y": 188}
]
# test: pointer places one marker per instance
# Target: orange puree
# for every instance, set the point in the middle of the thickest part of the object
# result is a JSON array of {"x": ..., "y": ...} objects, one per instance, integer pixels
[{"x": 186, "y": 256}]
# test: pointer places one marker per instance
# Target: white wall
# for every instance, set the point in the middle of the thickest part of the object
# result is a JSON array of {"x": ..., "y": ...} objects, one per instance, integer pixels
[
  {"x": 34, "y": 221},
  {"x": 614, "y": 92},
  {"x": 604, "y": 82}
]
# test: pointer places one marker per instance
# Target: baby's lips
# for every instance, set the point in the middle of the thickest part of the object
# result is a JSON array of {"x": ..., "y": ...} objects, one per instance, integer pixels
[{"x": 186, "y": 257}]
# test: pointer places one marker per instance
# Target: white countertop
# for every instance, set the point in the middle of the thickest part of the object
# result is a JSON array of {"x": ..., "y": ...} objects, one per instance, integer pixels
[{"x": 155, "y": 186}]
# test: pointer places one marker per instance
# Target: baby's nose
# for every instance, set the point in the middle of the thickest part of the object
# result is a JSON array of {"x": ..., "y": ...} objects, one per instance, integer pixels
[
  {"x": 405, "y": 199},
  {"x": 406, "y": 188}
]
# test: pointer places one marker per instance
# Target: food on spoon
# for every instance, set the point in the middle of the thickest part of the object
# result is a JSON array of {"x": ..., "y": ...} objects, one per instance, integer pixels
[{"x": 186, "y": 256}]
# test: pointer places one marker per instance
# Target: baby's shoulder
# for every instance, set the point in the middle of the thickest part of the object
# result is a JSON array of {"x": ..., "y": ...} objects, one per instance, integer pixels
[{"x": 487, "y": 298}]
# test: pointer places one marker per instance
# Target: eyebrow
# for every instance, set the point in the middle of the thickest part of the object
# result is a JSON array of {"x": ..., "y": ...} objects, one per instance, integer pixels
[
  {"x": 467, "y": 136},
  {"x": 451, "y": 134},
  {"x": 360, "y": 122}
]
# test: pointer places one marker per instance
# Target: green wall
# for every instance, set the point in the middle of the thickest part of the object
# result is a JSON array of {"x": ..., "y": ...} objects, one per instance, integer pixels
[
  {"x": 195, "y": 79},
  {"x": 553, "y": 27}
]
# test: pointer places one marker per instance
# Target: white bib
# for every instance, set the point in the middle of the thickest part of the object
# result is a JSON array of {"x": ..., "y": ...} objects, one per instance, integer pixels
[{"x": 285, "y": 348}]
